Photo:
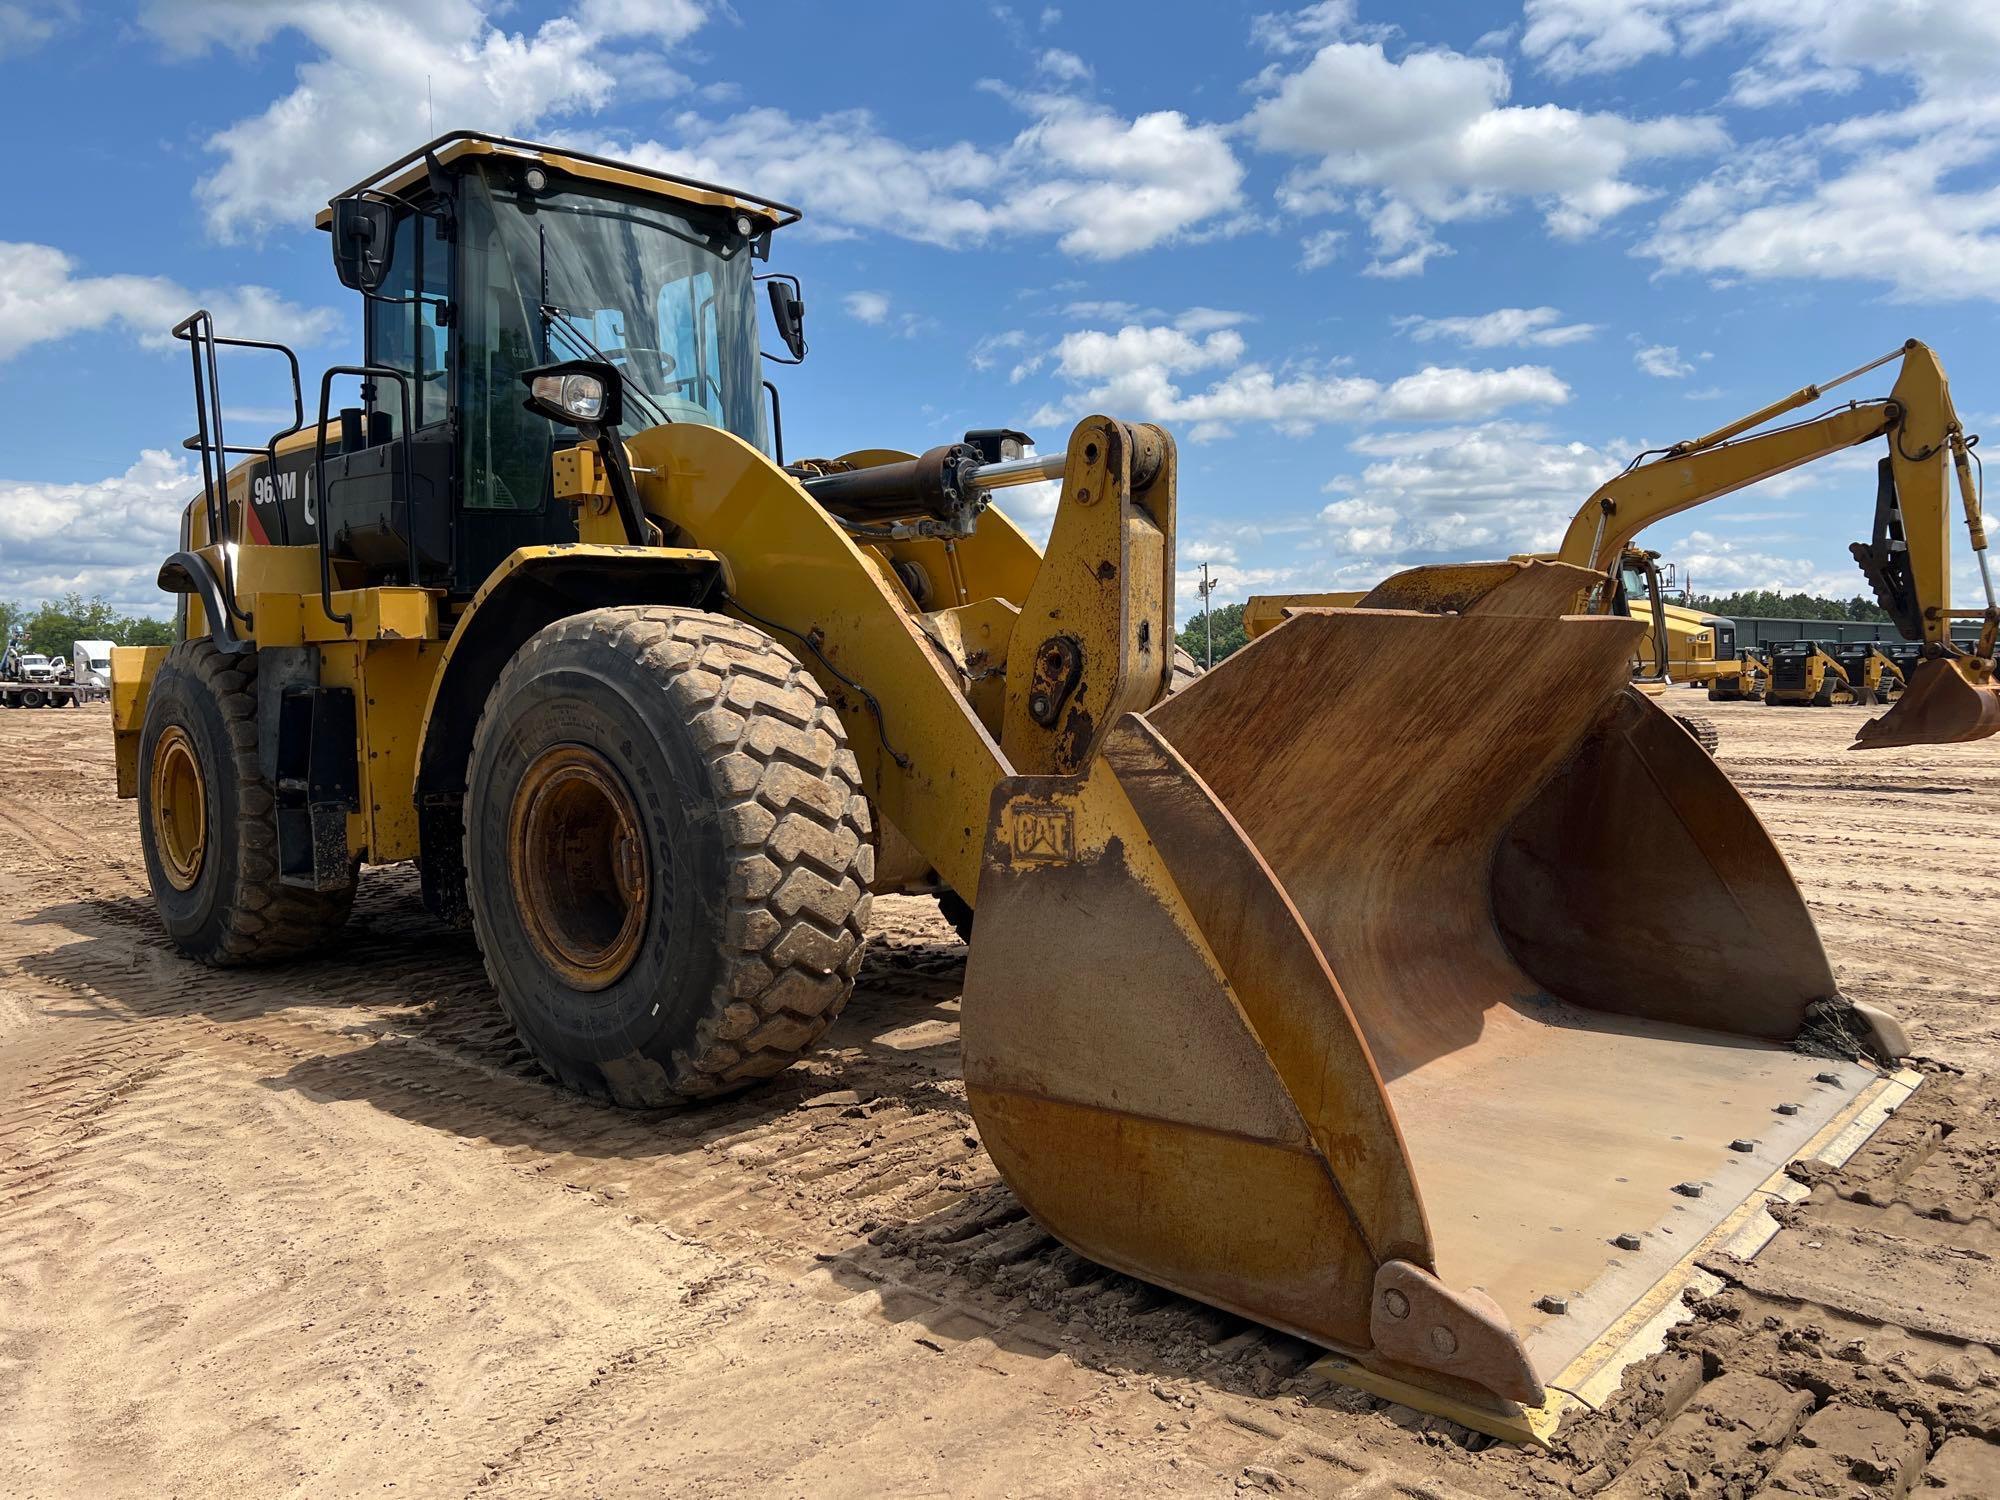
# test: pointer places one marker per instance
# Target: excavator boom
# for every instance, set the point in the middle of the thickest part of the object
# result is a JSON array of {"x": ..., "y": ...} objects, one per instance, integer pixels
[{"x": 1952, "y": 694}]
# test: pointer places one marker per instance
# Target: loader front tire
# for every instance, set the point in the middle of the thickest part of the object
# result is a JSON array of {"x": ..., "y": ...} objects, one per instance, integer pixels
[
  {"x": 207, "y": 819},
  {"x": 667, "y": 853}
]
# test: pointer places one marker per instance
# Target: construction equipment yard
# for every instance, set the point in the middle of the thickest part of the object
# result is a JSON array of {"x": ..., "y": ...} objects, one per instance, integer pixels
[{"x": 325, "y": 1228}]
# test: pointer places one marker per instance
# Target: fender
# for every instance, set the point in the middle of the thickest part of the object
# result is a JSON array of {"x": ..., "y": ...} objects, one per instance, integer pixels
[
  {"x": 533, "y": 588},
  {"x": 190, "y": 573}
]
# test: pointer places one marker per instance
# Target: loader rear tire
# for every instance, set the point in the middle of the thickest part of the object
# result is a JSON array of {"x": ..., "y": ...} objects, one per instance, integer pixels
[
  {"x": 207, "y": 819},
  {"x": 667, "y": 853}
]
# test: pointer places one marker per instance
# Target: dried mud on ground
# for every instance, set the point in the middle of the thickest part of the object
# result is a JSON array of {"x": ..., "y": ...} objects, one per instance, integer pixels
[{"x": 325, "y": 1230}]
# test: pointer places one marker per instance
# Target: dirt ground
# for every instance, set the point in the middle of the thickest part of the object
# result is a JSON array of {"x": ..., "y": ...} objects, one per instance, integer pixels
[{"x": 325, "y": 1230}]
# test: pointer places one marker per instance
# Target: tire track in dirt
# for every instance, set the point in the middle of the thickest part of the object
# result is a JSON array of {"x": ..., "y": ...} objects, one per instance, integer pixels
[{"x": 279, "y": 1171}]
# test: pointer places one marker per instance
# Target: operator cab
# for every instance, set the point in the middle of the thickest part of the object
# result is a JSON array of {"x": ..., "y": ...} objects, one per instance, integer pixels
[{"x": 479, "y": 259}]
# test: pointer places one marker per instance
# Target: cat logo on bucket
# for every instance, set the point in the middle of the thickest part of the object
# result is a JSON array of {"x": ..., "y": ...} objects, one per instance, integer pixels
[{"x": 1042, "y": 831}]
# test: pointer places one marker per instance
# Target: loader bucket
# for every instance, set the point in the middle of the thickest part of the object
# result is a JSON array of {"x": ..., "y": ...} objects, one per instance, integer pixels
[
  {"x": 1436, "y": 1026},
  {"x": 1948, "y": 699}
]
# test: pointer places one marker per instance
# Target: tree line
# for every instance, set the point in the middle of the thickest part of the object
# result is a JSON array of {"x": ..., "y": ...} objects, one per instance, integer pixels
[
  {"x": 52, "y": 627},
  {"x": 1753, "y": 603},
  {"x": 1768, "y": 604}
]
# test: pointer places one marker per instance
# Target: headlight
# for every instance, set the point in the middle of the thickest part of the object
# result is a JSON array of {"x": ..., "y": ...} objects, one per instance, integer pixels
[{"x": 579, "y": 396}]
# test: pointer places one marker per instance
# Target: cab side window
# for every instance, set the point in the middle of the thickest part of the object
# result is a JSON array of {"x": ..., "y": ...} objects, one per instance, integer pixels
[{"x": 406, "y": 323}]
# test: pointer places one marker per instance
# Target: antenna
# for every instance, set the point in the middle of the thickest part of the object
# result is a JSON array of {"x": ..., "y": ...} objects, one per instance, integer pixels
[
  {"x": 429, "y": 104},
  {"x": 1205, "y": 588}
]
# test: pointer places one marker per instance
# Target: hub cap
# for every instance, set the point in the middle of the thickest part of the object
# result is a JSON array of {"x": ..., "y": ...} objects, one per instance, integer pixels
[
  {"x": 180, "y": 808},
  {"x": 576, "y": 859}
]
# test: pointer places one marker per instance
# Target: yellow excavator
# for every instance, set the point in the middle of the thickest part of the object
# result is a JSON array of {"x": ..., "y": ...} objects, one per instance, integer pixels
[
  {"x": 1304, "y": 990},
  {"x": 1951, "y": 693}
]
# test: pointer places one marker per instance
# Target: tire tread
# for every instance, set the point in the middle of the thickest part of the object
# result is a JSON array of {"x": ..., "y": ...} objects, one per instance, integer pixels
[
  {"x": 264, "y": 920},
  {"x": 799, "y": 856}
]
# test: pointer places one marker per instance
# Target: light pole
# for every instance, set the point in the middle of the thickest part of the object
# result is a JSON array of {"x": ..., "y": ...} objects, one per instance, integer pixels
[{"x": 1207, "y": 587}]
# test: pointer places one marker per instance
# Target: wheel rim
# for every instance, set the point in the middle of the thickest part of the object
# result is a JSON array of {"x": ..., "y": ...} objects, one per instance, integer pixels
[
  {"x": 180, "y": 808},
  {"x": 576, "y": 859}
]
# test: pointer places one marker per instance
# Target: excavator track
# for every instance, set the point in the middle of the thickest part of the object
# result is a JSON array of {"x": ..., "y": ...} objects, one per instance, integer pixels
[{"x": 1702, "y": 728}]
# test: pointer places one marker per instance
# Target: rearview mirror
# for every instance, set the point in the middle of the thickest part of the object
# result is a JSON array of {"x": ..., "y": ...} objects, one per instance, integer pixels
[
  {"x": 364, "y": 241},
  {"x": 788, "y": 311}
]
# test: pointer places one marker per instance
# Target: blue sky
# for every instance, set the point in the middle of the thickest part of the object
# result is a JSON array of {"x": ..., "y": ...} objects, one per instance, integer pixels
[{"x": 1406, "y": 281}]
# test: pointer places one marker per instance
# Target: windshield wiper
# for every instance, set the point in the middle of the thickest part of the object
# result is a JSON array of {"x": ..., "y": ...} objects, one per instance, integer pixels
[{"x": 558, "y": 319}]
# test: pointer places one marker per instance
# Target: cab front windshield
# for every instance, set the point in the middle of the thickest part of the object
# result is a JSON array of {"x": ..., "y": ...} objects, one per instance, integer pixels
[{"x": 593, "y": 273}]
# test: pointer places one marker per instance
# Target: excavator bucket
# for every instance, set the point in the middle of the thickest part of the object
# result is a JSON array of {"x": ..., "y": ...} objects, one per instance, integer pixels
[
  {"x": 1439, "y": 1028},
  {"x": 1949, "y": 699}
]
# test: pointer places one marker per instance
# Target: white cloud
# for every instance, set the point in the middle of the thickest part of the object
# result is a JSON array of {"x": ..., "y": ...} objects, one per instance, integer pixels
[
  {"x": 27, "y": 24},
  {"x": 1138, "y": 371},
  {"x": 42, "y": 298},
  {"x": 1095, "y": 355},
  {"x": 1724, "y": 566},
  {"x": 1303, "y": 30},
  {"x": 1504, "y": 327},
  {"x": 1319, "y": 248},
  {"x": 1064, "y": 67},
  {"x": 1105, "y": 308},
  {"x": 102, "y": 537},
  {"x": 1165, "y": 174},
  {"x": 1206, "y": 319},
  {"x": 986, "y": 351},
  {"x": 1801, "y": 45},
  {"x": 1233, "y": 584},
  {"x": 1886, "y": 215},
  {"x": 1430, "y": 139},
  {"x": 867, "y": 307},
  {"x": 1568, "y": 37},
  {"x": 375, "y": 72},
  {"x": 1663, "y": 361},
  {"x": 1456, "y": 394},
  {"x": 1404, "y": 244},
  {"x": 1478, "y": 491},
  {"x": 655, "y": 20}
]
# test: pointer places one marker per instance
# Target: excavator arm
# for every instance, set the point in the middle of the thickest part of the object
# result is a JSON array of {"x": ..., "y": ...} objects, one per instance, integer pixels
[{"x": 1907, "y": 559}]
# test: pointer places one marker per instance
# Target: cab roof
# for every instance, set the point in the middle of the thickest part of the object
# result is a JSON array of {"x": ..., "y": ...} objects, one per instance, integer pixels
[{"x": 410, "y": 171}]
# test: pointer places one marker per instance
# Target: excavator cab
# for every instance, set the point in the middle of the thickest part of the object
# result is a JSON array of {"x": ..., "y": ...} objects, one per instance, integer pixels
[{"x": 1639, "y": 595}]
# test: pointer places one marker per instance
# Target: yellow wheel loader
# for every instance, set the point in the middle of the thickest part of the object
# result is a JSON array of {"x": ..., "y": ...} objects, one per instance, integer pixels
[{"x": 1304, "y": 990}]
